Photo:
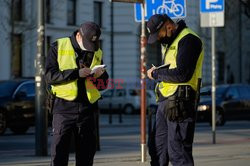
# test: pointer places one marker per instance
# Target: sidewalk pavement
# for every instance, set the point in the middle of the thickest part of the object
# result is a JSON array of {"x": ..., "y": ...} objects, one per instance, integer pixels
[{"x": 120, "y": 146}]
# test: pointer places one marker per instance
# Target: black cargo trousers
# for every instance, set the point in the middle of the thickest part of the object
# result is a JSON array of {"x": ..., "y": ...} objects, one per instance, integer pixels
[
  {"x": 78, "y": 119},
  {"x": 173, "y": 132}
]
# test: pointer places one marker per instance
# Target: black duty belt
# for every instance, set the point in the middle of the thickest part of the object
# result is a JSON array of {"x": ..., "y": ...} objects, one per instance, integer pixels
[{"x": 184, "y": 92}]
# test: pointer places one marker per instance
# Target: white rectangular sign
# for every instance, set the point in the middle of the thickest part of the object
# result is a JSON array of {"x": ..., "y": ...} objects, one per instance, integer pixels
[{"x": 212, "y": 13}]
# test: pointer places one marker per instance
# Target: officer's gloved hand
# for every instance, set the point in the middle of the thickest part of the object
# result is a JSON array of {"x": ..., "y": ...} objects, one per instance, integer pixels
[
  {"x": 174, "y": 114},
  {"x": 171, "y": 110},
  {"x": 175, "y": 111}
]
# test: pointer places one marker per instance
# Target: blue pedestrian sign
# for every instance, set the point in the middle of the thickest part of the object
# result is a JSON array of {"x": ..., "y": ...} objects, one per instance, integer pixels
[
  {"x": 207, "y": 6},
  {"x": 173, "y": 8}
]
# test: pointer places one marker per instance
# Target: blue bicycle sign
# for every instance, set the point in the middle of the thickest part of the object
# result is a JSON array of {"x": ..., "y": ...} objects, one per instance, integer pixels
[{"x": 173, "y": 8}]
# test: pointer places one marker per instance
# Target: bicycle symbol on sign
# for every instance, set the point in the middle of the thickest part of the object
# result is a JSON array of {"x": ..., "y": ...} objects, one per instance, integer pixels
[{"x": 169, "y": 6}]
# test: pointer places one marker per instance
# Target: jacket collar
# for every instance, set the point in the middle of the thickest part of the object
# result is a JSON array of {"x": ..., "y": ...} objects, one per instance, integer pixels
[
  {"x": 75, "y": 44},
  {"x": 181, "y": 25}
]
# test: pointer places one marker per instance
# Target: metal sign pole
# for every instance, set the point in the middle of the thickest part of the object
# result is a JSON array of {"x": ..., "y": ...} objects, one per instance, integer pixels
[
  {"x": 41, "y": 115},
  {"x": 213, "y": 85},
  {"x": 143, "y": 86},
  {"x": 143, "y": 77},
  {"x": 112, "y": 38},
  {"x": 212, "y": 15}
]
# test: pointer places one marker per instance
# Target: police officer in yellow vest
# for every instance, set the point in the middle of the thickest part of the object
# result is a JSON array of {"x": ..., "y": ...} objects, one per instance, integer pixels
[
  {"x": 68, "y": 71},
  {"x": 176, "y": 91}
]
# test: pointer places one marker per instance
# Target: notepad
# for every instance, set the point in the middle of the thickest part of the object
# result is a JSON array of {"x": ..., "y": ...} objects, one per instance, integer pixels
[{"x": 97, "y": 67}]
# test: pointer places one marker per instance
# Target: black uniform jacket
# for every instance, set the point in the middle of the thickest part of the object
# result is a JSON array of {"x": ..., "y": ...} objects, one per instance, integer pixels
[
  {"x": 54, "y": 76},
  {"x": 189, "y": 49}
]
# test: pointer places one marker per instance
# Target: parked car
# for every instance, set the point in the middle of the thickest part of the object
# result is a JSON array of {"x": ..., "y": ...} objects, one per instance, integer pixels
[
  {"x": 17, "y": 105},
  {"x": 126, "y": 99},
  {"x": 232, "y": 103}
]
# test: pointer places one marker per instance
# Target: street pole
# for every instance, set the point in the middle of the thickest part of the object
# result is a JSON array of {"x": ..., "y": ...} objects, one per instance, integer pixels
[
  {"x": 143, "y": 76},
  {"x": 41, "y": 114},
  {"x": 213, "y": 85},
  {"x": 12, "y": 37},
  {"x": 112, "y": 38},
  {"x": 240, "y": 43},
  {"x": 143, "y": 86}
]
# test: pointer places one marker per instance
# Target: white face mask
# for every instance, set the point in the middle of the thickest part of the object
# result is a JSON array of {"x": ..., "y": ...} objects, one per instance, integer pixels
[{"x": 81, "y": 46}]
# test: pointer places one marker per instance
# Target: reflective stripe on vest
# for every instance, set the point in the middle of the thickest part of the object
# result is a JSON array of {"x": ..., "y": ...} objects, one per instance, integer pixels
[
  {"x": 168, "y": 89},
  {"x": 67, "y": 60}
]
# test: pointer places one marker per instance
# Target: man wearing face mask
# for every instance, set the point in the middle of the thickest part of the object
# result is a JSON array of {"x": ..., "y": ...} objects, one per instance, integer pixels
[
  {"x": 177, "y": 91},
  {"x": 68, "y": 69}
]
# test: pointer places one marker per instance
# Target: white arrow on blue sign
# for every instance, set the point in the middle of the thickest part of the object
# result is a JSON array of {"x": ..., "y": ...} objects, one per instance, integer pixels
[
  {"x": 207, "y": 6},
  {"x": 173, "y": 8}
]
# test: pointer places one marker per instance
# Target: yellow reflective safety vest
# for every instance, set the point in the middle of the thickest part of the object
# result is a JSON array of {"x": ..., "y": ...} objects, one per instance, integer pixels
[
  {"x": 166, "y": 88},
  {"x": 66, "y": 59}
]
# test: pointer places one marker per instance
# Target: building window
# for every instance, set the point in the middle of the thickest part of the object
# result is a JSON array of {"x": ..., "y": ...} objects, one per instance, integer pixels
[
  {"x": 98, "y": 13},
  {"x": 17, "y": 10},
  {"x": 17, "y": 56},
  {"x": 48, "y": 11},
  {"x": 71, "y": 12}
]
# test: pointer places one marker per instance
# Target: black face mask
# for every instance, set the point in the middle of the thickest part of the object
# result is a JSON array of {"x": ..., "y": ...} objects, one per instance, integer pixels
[{"x": 165, "y": 40}]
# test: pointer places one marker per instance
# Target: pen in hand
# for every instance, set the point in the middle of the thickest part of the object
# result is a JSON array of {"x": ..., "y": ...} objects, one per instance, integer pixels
[{"x": 154, "y": 67}]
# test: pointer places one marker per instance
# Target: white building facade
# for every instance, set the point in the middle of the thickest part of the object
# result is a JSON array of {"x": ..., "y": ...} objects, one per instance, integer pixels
[{"x": 65, "y": 16}]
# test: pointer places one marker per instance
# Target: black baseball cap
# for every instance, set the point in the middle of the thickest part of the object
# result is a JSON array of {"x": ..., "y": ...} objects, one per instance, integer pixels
[
  {"x": 90, "y": 33},
  {"x": 154, "y": 25}
]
